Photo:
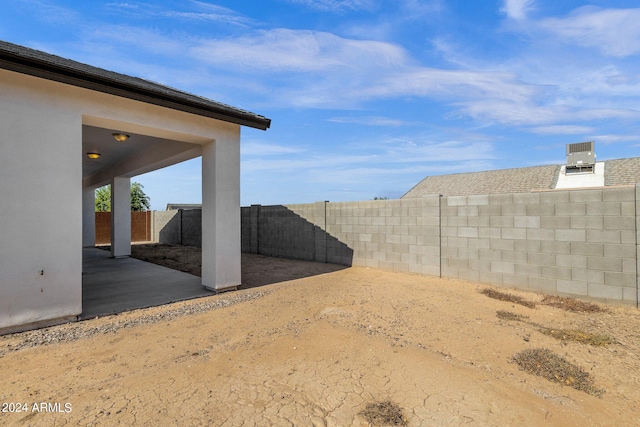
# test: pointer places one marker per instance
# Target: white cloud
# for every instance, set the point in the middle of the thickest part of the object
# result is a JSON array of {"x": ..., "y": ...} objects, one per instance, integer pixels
[
  {"x": 319, "y": 69},
  {"x": 563, "y": 130},
  {"x": 266, "y": 149},
  {"x": 191, "y": 11},
  {"x": 315, "y": 69},
  {"x": 623, "y": 80},
  {"x": 512, "y": 113},
  {"x": 419, "y": 8},
  {"x": 123, "y": 6},
  {"x": 517, "y": 9},
  {"x": 213, "y": 17},
  {"x": 282, "y": 49},
  {"x": 403, "y": 177},
  {"x": 614, "y": 32},
  {"x": 51, "y": 13},
  {"x": 379, "y": 155},
  {"x": 119, "y": 36},
  {"x": 592, "y": 114},
  {"x": 609, "y": 139},
  {"x": 213, "y": 13},
  {"x": 372, "y": 121},
  {"x": 336, "y": 5},
  {"x": 365, "y": 169},
  {"x": 220, "y": 10},
  {"x": 416, "y": 151},
  {"x": 312, "y": 161},
  {"x": 451, "y": 84}
]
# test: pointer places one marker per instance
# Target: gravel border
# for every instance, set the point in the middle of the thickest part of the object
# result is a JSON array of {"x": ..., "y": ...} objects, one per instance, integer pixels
[{"x": 64, "y": 333}]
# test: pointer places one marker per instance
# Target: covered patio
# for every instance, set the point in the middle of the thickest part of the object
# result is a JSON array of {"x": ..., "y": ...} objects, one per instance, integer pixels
[
  {"x": 75, "y": 128},
  {"x": 112, "y": 285}
]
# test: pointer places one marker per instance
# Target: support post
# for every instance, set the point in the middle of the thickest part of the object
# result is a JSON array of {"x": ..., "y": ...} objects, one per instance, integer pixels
[
  {"x": 120, "y": 217},
  {"x": 88, "y": 218},
  {"x": 221, "y": 239}
]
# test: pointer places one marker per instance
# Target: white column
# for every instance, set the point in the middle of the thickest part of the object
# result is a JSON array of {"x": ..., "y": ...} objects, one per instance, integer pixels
[
  {"x": 88, "y": 218},
  {"x": 120, "y": 217},
  {"x": 221, "y": 250}
]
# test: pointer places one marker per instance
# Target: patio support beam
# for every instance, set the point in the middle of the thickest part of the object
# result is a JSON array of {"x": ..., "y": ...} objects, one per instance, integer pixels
[
  {"x": 221, "y": 249},
  {"x": 120, "y": 217},
  {"x": 88, "y": 218}
]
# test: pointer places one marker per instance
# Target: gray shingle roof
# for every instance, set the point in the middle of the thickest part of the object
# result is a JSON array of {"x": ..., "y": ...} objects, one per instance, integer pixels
[
  {"x": 176, "y": 206},
  {"x": 521, "y": 180},
  {"x": 40, "y": 64},
  {"x": 622, "y": 171}
]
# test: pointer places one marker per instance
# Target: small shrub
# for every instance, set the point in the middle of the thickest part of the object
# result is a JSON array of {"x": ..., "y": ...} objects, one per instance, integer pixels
[
  {"x": 507, "y": 315},
  {"x": 503, "y": 296},
  {"x": 572, "y": 304},
  {"x": 545, "y": 363},
  {"x": 384, "y": 413},
  {"x": 578, "y": 336}
]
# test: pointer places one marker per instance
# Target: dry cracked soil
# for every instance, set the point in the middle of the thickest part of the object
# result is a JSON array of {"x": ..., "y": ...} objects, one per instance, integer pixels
[{"x": 315, "y": 351}]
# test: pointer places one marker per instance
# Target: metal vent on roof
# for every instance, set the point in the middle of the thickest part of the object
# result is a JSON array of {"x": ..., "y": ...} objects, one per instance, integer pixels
[
  {"x": 581, "y": 157},
  {"x": 580, "y": 147}
]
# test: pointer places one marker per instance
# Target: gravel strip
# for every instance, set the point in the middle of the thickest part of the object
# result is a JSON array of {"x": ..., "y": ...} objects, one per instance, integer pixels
[{"x": 65, "y": 333}]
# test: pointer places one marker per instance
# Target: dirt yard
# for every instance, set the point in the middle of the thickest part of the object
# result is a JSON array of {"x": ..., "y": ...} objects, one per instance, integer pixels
[{"x": 332, "y": 349}]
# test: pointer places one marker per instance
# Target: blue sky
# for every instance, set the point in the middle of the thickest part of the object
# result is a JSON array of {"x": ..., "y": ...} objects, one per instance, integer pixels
[{"x": 367, "y": 97}]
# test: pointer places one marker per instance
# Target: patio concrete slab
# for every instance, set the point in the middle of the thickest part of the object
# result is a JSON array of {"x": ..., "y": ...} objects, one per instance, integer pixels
[{"x": 112, "y": 285}]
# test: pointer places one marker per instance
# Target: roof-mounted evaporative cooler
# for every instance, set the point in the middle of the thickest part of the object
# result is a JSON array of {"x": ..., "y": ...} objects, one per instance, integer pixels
[{"x": 581, "y": 157}]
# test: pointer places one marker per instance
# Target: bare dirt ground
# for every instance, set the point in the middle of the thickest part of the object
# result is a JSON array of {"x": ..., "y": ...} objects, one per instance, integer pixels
[
  {"x": 318, "y": 351},
  {"x": 257, "y": 270}
]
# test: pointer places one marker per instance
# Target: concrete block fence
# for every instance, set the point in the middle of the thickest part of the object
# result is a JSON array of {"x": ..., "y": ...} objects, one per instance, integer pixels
[
  {"x": 292, "y": 231},
  {"x": 580, "y": 243},
  {"x": 178, "y": 227}
]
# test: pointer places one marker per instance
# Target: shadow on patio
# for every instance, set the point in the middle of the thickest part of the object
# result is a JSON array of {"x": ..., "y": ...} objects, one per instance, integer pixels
[
  {"x": 151, "y": 277},
  {"x": 112, "y": 285}
]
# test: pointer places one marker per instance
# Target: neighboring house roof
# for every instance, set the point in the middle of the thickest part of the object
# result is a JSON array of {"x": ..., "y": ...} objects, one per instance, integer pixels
[
  {"x": 622, "y": 171},
  {"x": 176, "y": 206},
  {"x": 40, "y": 64},
  {"x": 520, "y": 180}
]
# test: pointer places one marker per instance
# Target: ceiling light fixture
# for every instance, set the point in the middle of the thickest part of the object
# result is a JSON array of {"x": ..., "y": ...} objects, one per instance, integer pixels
[
  {"x": 120, "y": 137},
  {"x": 93, "y": 156}
]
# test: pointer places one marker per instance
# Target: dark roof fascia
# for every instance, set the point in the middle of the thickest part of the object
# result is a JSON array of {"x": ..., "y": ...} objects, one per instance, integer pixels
[{"x": 51, "y": 67}]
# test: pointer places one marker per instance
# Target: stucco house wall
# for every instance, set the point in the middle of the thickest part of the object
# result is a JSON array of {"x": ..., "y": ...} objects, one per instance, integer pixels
[
  {"x": 40, "y": 260},
  {"x": 46, "y": 214}
]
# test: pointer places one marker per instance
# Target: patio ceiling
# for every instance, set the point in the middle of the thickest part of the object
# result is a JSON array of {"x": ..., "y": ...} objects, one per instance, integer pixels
[{"x": 137, "y": 155}]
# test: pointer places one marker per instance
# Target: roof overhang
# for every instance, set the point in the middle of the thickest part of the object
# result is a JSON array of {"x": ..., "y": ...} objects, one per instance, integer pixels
[{"x": 51, "y": 67}]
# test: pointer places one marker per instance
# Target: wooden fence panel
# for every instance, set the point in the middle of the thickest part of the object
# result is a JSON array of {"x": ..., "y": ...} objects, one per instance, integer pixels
[{"x": 140, "y": 227}]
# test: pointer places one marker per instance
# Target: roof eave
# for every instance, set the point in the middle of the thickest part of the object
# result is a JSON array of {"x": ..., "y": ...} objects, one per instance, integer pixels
[{"x": 88, "y": 80}]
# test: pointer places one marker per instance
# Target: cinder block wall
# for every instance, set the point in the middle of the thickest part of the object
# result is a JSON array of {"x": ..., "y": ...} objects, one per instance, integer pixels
[
  {"x": 571, "y": 242},
  {"x": 245, "y": 225},
  {"x": 191, "y": 226},
  {"x": 178, "y": 227},
  {"x": 291, "y": 231},
  {"x": 579, "y": 242},
  {"x": 400, "y": 235},
  {"x": 287, "y": 232},
  {"x": 167, "y": 227}
]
